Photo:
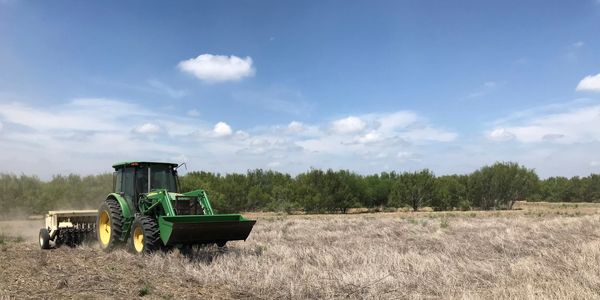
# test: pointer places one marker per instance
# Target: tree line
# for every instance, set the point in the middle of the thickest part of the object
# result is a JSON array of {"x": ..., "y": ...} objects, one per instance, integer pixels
[{"x": 497, "y": 186}]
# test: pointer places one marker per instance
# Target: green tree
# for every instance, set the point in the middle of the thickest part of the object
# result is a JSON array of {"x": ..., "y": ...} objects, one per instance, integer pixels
[
  {"x": 413, "y": 189},
  {"x": 498, "y": 186},
  {"x": 377, "y": 189},
  {"x": 450, "y": 193},
  {"x": 555, "y": 189}
]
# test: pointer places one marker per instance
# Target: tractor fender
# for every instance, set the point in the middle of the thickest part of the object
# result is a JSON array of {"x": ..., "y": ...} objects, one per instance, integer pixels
[
  {"x": 123, "y": 203},
  {"x": 127, "y": 215}
]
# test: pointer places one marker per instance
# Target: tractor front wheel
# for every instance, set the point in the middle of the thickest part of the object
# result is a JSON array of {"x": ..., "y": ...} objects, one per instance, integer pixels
[
  {"x": 109, "y": 224},
  {"x": 145, "y": 235}
]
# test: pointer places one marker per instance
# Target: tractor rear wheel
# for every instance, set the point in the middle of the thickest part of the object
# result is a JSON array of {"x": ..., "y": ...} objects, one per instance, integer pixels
[
  {"x": 109, "y": 224},
  {"x": 44, "y": 238},
  {"x": 145, "y": 235}
]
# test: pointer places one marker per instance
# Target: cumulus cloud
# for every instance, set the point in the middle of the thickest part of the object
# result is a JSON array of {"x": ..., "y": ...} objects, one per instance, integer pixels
[
  {"x": 218, "y": 68},
  {"x": 590, "y": 83},
  {"x": 565, "y": 125},
  {"x": 408, "y": 156},
  {"x": 501, "y": 135},
  {"x": 295, "y": 127},
  {"x": 147, "y": 128},
  {"x": 393, "y": 121},
  {"x": 376, "y": 133},
  {"x": 222, "y": 129},
  {"x": 241, "y": 135},
  {"x": 80, "y": 136},
  {"x": 429, "y": 133},
  {"x": 552, "y": 136},
  {"x": 348, "y": 125},
  {"x": 371, "y": 137}
]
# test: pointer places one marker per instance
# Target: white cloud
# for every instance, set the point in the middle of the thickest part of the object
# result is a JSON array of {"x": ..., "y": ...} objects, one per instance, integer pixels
[
  {"x": 428, "y": 133},
  {"x": 295, "y": 127},
  {"x": 148, "y": 128},
  {"x": 565, "y": 125},
  {"x": 222, "y": 129},
  {"x": 218, "y": 68},
  {"x": 376, "y": 133},
  {"x": 348, "y": 125},
  {"x": 274, "y": 164},
  {"x": 241, "y": 135},
  {"x": 394, "y": 121},
  {"x": 48, "y": 137},
  {"x": 408, "y": 156},
  {"x": 501, "y": 135},
  {"x": 371, "y": 137},
  {"x": 1, "y": 126},
  {"x": 81, "y": 114},
  {"x": 589, "y": 83},
  {"x": 80, "y": 136}
]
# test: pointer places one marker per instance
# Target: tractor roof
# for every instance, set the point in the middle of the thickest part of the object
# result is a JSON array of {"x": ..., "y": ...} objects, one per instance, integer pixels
[{"x": 136, "y": 163}]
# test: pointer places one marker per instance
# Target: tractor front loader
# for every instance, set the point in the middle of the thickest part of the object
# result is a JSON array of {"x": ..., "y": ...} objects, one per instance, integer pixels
[{"x": 146, "y": 209}]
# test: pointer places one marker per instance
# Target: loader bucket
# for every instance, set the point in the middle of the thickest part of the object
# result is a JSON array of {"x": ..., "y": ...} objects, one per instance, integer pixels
[{"x": 203, "y": 229}]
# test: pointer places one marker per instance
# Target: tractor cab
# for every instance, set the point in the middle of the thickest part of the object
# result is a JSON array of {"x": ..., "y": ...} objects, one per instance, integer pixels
[{"x": 132, "y": 179}]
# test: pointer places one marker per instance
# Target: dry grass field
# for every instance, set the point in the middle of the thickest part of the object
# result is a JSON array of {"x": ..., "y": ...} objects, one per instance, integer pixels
[{"x": 536, "y": 251}]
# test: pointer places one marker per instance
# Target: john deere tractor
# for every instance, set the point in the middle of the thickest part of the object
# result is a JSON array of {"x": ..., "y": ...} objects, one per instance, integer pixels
[{"x": 147, "y": 209}]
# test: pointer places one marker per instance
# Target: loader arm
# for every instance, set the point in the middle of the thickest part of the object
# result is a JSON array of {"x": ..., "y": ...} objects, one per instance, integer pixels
[
  {"x": 163, "y": 198},
  {"x": 177, "y": 227},
  {"x": 203, "y": 199}
]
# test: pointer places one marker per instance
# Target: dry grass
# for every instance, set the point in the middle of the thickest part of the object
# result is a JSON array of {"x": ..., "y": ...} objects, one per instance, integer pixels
[{"x": 530, "y": 253}]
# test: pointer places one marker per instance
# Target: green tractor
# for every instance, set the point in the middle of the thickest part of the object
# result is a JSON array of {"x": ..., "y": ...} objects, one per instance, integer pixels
[{"x": 147, "y": 209}]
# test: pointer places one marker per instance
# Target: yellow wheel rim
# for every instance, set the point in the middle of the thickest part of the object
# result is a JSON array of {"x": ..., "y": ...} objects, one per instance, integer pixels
[
  {"x": 104, "y": 228},
  {"x": 138, "y": 239}
]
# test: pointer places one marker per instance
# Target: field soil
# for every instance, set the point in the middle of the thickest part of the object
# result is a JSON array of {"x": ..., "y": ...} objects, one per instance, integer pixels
[{"x": 537, "y": 251}]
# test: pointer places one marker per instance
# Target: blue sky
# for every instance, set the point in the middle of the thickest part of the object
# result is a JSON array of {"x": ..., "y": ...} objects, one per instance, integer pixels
[{"x": 368, "y": 86}]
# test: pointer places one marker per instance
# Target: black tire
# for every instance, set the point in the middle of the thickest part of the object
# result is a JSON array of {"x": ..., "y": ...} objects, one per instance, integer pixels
[
  {"x": 112, "y": 208},
  {"x": 44, "y": 238},
  {"x": 146, "y": 228}
]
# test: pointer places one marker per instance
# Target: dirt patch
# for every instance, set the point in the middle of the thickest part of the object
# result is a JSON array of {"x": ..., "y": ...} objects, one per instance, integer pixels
[{"x": 87, "y": 272}]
